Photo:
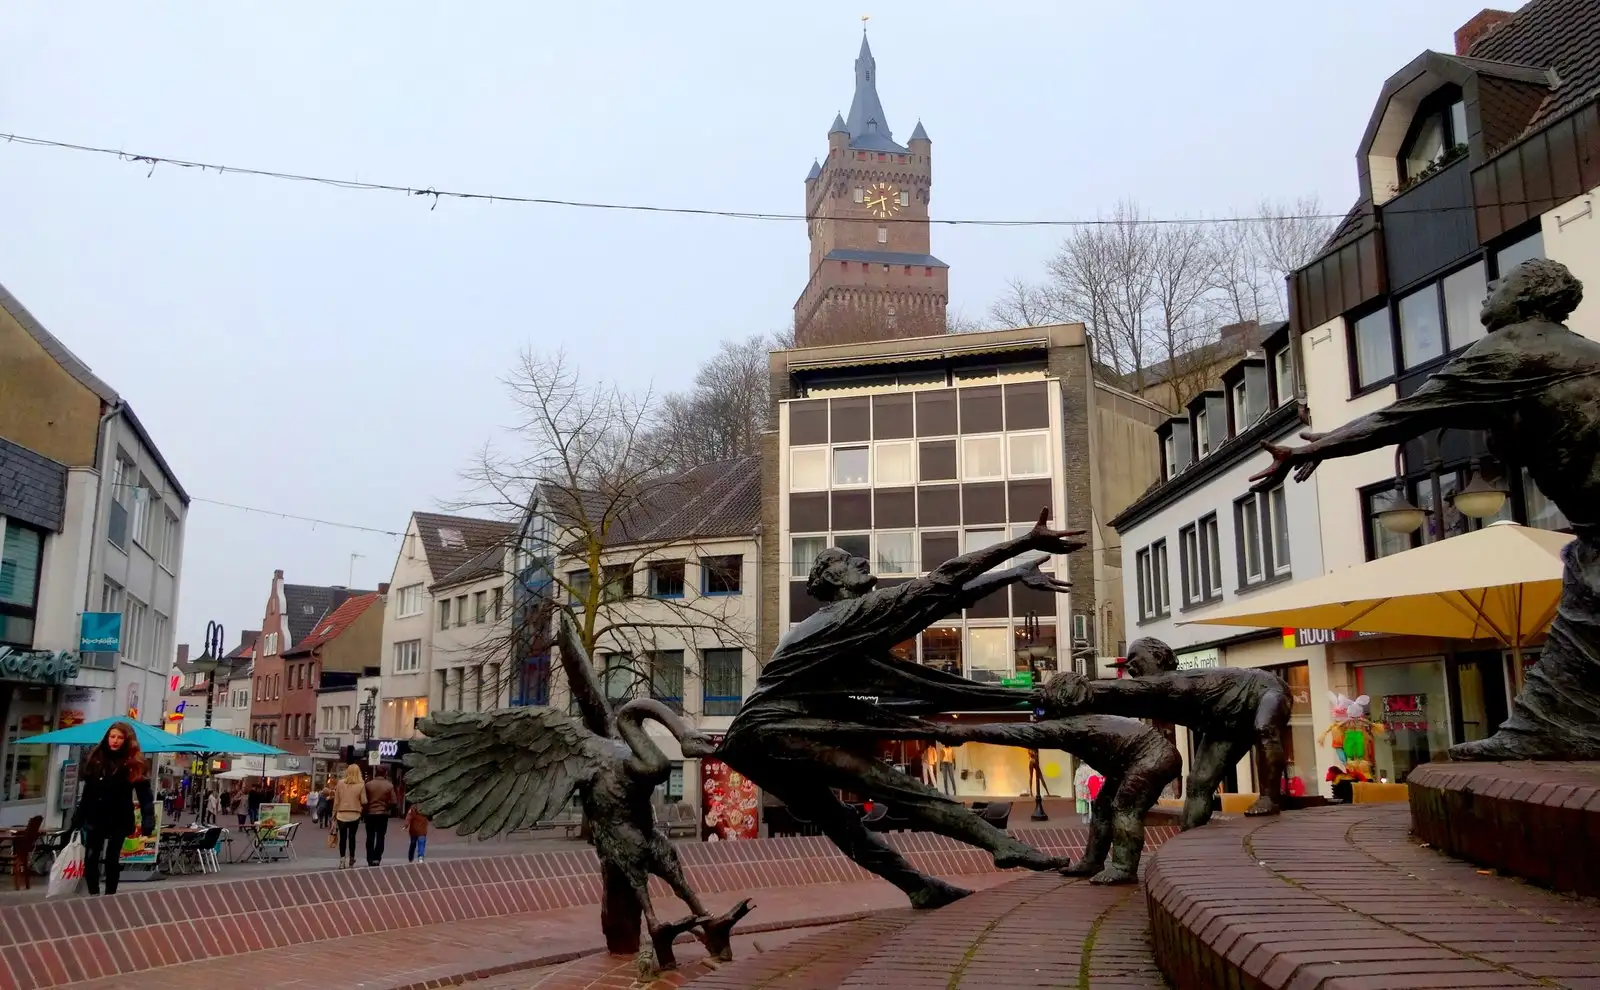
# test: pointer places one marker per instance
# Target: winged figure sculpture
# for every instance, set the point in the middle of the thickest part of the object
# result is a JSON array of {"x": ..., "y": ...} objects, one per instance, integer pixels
[{"x": 487, "y": 773}]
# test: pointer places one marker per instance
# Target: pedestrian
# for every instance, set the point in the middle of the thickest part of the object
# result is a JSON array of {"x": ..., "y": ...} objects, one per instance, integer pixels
[
  {"x": 114, "y": 775},
  {"x": 236, "y": 802},
  {"x": 213, "y": 807},
  {"x": 258, "y": 797},
  {"x": 380, "y": 803},
  {"x": 177, "y": 808},
  {"x": 417, "y": 828},
  {"x": 349, "y": 803},
  {"x": 325, "y": 806},
  {"x": 313, "y": 810}
]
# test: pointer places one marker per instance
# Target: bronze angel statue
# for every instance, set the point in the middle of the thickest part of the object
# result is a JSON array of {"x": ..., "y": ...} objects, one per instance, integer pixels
[{"x": 485, "y": 773}]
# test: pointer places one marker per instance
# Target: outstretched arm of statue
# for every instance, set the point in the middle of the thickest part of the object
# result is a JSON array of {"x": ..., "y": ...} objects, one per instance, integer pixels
[
  {"x": 1026, "y": 574},
  {"x": 970, "y": 567}
]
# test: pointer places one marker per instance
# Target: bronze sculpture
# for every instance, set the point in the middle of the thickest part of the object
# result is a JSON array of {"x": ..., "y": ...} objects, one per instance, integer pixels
[
  {"x": 1229, "y": 710},
  {"x": 832, "y": 688},
  {"x": 1534, "y": 386},
  {"x": 493, "y": 772}
]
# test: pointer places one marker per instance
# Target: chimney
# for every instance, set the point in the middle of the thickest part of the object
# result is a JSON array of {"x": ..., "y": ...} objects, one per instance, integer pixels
[
  {"x": 383, "y": 587},
  {"x": 1478, "y": 28},
  {"x": 183, "y": 654},
  {"x": 277, "y": 575}
]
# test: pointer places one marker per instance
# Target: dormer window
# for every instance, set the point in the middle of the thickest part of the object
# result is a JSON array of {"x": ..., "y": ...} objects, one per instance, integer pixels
[
  {"x": 1241, "y": 411},
  {"x": 1439, "y": 129},
  {"x": 1282, "y": 377},
  {"x": 1169, "y": 456},
  {"x": 1202, "y": 434}
]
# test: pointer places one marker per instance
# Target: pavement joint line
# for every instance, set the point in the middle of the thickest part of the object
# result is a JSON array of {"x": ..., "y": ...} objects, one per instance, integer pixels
[
  {"x": 1086, "y": 955},
  {"x": 960, "y": 969},
  {"x": 1249, "y": 847}
]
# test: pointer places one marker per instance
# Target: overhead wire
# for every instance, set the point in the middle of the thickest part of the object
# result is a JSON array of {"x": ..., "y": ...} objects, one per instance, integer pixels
[{"x": 153, "y": 161}]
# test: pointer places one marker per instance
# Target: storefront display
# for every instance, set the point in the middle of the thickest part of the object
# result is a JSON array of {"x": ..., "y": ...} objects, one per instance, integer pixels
[
  {"x": 1410, "y": 703},
  {"x": 1300, "y": 750},
  {"x": 728, "y": 803},
  {"x": 29, "y": 711}
]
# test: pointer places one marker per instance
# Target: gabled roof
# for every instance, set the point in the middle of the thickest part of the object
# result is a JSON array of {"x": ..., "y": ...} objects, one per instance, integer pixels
[
  {"x": 451, "y": 541},
  {"x": 1563, "y": 35},
  {"x": 486, "y": 564},
  {"x": 868, "y": 124},
  {"x": 336, "y": 622},
  {"x": 720, "y": 499},
  {"x": 304, "y": 605}
]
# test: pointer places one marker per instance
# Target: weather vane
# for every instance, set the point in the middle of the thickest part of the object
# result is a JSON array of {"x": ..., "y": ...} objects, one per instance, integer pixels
[{"x": 864, "y": 19}]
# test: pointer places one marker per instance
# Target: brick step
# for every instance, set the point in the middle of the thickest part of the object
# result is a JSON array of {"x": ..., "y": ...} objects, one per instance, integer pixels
[
  {"x": 1345, "y": 899},
  {"x": 822, "y": 961}
]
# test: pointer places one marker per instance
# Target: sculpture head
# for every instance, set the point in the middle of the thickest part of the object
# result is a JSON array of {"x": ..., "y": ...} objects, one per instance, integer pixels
[
  {"x": 1148, "y": 656},
  {"x": 1534, "y": 290},
  {"x": 837, "y": 575}
]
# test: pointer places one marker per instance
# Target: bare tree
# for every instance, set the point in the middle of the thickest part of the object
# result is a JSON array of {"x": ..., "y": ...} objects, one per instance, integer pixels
[
  {"x": 1289, "y": 235},
  {"x": 1025, "y": 304},
  {"x": 1181, "y": 276},
  {"x": 1101, "y": 277},
  {"x": 607, "y": 526},
  {"x": 723, "y": 415},
  {"x": 1254, "y": 257}
]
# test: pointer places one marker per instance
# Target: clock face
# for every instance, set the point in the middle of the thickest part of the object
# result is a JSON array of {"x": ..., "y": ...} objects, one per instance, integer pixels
[{"x": 883, "y": 200}]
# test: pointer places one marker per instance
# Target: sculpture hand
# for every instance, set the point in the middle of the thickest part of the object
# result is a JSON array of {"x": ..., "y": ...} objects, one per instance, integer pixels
[
  {"x": 1302, "y": 460},
  {"x": 1042, "y": 537},
  {"x": 1033, "y": 578}
]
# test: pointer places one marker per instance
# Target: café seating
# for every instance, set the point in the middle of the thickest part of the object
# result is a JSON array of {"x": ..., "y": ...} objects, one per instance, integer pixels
[
  {"x": 22, "y": 852},
  {"x": 997, "y": 813}
]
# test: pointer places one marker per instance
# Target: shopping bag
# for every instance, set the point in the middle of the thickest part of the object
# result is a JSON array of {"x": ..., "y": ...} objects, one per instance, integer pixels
[
  {"x": 67, "y": 871},
  {"x": 333, "y": 839}
]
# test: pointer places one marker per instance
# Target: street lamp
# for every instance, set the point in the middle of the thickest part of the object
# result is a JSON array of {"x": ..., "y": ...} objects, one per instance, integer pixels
[
  {"x": 1479, "y": 500},
  {"x": 207, "y": 663},
  {"x": 1034, "y": 653}
]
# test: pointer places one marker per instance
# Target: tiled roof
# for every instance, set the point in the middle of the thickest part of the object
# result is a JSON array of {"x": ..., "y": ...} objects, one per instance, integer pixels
[
  {"x": 868, "y": 124},
  {"x": 721, "y": 499},
  {"x": 452, "y": 541},
  {"x": 306, "y": 604},
  {"x": 33, "y": 488},
  {"x": 1563, "y": 35},
  {"x": 336, "y": 621},
  {"x": 486, "y": 564}
]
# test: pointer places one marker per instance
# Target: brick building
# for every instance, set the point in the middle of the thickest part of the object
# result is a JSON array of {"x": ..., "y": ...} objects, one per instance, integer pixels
[
  {"x": 871, "y": 273},
  {"x": 282, "y": 698}
]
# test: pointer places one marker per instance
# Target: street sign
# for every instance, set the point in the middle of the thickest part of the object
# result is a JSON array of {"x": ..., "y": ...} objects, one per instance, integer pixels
[{"x": 1022, "y": 680}]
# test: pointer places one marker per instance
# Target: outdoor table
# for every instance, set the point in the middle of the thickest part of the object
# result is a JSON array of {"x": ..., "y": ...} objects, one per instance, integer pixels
[{"x": 50, "y": 841}]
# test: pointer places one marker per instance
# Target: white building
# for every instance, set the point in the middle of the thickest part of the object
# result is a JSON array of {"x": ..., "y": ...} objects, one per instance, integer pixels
[
  {"x": 1200, "y": 539},
  {"x": 415, "y": 674},
  {"x": 1470, "y": 164},
  {"x": 92, "y": 520}
]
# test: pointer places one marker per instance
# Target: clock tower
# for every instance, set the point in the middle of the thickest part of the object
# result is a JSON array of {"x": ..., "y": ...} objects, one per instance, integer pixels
[{"x": 872, "y": 274}]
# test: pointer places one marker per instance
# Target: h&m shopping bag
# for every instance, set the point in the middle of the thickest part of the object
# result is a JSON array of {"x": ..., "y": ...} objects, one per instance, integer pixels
[{"x": 67, "y": 871}]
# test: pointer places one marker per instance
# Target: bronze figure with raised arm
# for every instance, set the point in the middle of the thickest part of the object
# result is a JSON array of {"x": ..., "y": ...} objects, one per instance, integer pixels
[{"x": 1534, "y": 387}]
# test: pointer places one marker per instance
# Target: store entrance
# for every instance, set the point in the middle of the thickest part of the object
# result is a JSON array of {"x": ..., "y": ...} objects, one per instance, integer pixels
[{"x": 1478, "y": 696}]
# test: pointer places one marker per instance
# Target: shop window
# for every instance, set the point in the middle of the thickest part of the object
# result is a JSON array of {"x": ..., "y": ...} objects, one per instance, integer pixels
[
  {"x": 1301, "y": 773},
  {"x": 1035, "y": 649},
  {"x": 1541, "y": 512},
  {"x": 723, "y": 678},
  {"x": 1409, "y": 700}
]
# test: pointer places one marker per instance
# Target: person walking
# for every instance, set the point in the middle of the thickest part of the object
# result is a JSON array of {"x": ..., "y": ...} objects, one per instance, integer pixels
[
  {"x": 380, "y": 802},
  {"x": 314, "y": 806},
  {"x": 417, "y": 828},
  {"x": 349, "y": 803},
  {"x": 257, "y": 798},
  {"x": 325, "y": 806},
  {"x": 114, "y": 775},
  {"x": 213, "y": 807}
]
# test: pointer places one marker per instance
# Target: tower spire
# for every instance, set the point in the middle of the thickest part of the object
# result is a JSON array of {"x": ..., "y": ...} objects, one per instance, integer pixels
[{"x": 869, "y": 125}]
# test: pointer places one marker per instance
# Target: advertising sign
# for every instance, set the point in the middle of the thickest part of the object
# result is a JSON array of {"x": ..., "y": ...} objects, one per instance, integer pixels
[
  {"x": 728, "y": 803},
  {"x": 69, "y": 785},
  {"x": 48, "y": 666},
  {"x": 100, "y": 632},
  {"x": 1405, "y": 711},
  {"x": 140, "y": 850},
  {"x": 79, "y": 705},
  {"x": 1301, "y": 638},
  {"x": 1199, "y": 659},
  {"x": 272, "y": 817}
]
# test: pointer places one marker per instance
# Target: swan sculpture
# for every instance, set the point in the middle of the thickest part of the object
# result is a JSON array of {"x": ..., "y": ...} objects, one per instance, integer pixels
[{"x": 486, "y": 773}]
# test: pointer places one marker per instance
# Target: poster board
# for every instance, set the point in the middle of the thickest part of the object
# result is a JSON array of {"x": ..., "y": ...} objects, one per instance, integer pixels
[
  {"x": 272, "y": 817},
  {"x": 728, "y": 803},
  {"x": 69, "y": 785},
  {"x": 140, "y": 850}
]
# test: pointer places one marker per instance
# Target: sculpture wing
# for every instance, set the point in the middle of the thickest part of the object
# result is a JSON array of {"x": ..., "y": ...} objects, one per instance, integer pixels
[{"x": 485, "y": 773}]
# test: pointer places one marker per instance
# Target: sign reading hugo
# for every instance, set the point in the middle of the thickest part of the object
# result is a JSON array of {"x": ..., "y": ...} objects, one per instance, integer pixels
[{"x": 47, "y": 666}]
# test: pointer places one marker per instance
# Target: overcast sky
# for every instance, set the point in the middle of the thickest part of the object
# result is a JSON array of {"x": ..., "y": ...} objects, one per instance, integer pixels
[{"x": 336, "y": 354}]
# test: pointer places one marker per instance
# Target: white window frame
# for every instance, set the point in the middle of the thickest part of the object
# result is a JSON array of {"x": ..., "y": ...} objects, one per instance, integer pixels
[
  {"x": 1283, "y": 374},
  {"x": 833, "y": 466},
  {"x": 1277, "y": 504},
  {"x": 910, "y": 564},
  {"x": 134, "y": 616},
  {"x": 1169, "y": 455},
  {"x": 821, "y": 453},
  {"x": 967, "y": 471},
  {"x": 1211, "y": 555},
  {"x": 408, "y": 601},
  {"x": 1144, "y": 583},
  {"x": 1043, "y": 438},
  {"x": 1239, "y": 398},
  {"x": 1163, "y": 587},
  {"x": 883, "y": 235},
  {"x": 1202, "y": 435},
  {"x": 139, "y": 515},
  {"x": 1252, "y": 545},
  {"x": 407, "y": 656},
  {"x": 860, "y": 195},
  {"x": 169, "y": 541},
  {"x": 1189, "y": 561},
  {"x": 910, "y": 449}
]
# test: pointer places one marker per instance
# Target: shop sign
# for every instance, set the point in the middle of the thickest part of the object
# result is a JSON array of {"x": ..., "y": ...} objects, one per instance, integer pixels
[
  {"x": 1294, "y": 639},
  {"x": 1022, "y": 680},
  {"x": 1405, "y": 712},
  {"x": 100, "y": 632},
  {"x": 388, "y": 749},
  {"x": 373, "y": 759},
  {"x": 330, "y": 744},
  {"x": 50, "y": 667},
  {"x": 68, "y": 798},
  {"x": 76, "y": 707},
  {"x": 1200, "y": 659}
]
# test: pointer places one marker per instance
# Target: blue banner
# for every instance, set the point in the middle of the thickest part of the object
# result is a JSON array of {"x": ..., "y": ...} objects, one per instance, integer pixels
[{"x": 100, "y": 632}]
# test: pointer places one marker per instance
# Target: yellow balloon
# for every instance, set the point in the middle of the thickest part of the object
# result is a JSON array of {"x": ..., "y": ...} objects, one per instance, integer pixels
[{"x": 1052, "y": 769}]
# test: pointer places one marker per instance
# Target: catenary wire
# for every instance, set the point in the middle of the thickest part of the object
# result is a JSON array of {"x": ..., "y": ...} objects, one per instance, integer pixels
[{"x": 437, "y": 194}]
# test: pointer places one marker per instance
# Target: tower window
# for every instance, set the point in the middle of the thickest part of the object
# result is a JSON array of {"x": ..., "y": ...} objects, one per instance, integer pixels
[
  {"x": 905, "y": 198},
  {"x": 861, "y": 156},
  {"x": 928, "y": 271},
  {"x": 866, "y": 267},
  {"x": 860, "y": 194},
  {"x": 883, "y": 235},
  {"x": 908, "y": 269}
]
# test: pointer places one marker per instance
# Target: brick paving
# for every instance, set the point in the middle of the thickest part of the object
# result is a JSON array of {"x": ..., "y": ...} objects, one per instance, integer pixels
[
  {"x": 1344, "y": 899},
  {"x": 1550, "y": 810}
]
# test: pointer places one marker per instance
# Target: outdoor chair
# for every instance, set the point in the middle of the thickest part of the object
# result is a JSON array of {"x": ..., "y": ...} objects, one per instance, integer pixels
[
  {"x": 680, "y": 819},
  {"x": 22, "y": 853},
  {"x": 207, "y": 848},
  {"x": 281, "y": 845}
]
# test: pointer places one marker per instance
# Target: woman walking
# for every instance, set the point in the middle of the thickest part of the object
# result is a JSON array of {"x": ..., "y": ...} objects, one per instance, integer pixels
[
  {"x": 114, "y": 775},
  {"x": 349, "y": 801}
]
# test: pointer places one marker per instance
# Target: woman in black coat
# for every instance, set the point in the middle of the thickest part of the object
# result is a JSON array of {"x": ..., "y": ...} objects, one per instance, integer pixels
[{"x": 113, "y": 775}]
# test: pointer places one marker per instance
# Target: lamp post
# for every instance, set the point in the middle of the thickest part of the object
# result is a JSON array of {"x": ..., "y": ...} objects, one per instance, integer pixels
[
  {"x": 207, "y": 663},
  {"x": 1030, "y": 631},
  {"x": 1479, "y": 500}
]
